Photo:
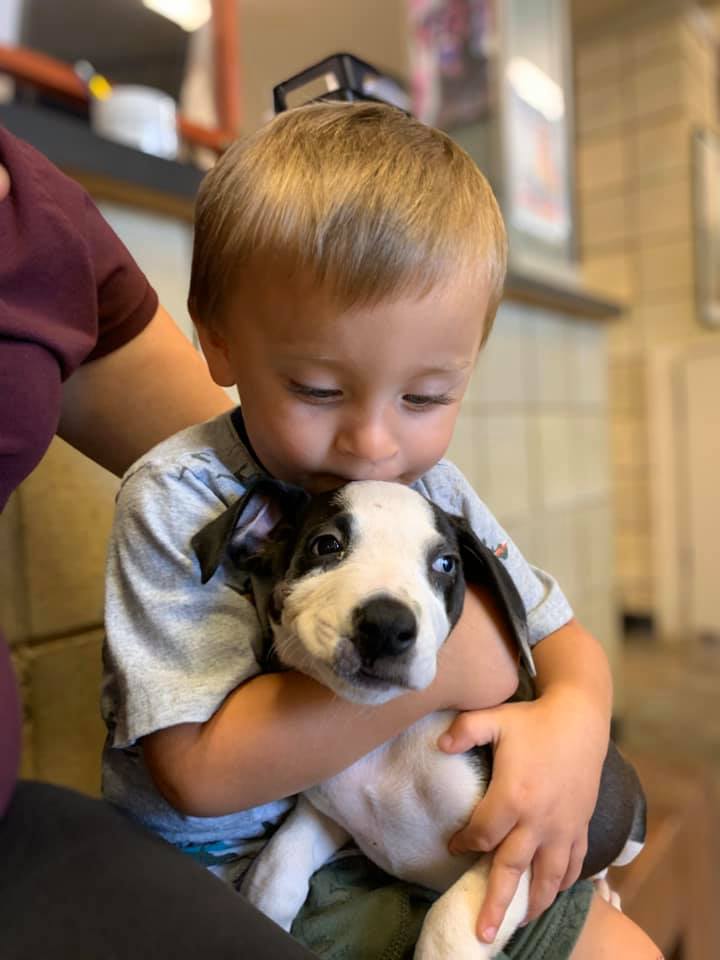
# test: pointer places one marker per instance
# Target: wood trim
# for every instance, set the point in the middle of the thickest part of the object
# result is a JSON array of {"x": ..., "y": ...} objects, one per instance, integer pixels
[
  {"x": 534, "y": 291},
  {"x": 54, "y": 76},
  {"x": 225, "y": 26}
]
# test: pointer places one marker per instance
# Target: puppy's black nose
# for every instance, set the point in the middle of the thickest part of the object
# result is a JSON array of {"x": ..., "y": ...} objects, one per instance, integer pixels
[{"x": 383, "y": 627}]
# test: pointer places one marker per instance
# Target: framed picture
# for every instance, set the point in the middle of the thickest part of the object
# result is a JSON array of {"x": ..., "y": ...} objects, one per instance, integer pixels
[
  {"x": 451, "y": 47},
  {"x": 706, "y": 209}
]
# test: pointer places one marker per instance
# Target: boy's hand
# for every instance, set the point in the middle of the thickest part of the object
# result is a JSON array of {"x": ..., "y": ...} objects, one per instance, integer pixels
[{"x": 548, "y": 756}]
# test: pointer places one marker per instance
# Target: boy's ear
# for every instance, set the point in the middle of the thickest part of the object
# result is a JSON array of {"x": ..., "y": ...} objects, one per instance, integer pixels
[{"x": 215, "y": 349}]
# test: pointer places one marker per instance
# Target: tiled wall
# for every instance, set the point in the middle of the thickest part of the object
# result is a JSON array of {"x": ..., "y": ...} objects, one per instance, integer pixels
[
  {"x": 533, "y": 439},
  {"x": 645, "y": 78}
]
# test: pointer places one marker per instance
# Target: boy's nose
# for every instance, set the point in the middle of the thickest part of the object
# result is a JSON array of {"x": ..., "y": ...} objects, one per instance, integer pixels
[{"x": 369, "y": 442}]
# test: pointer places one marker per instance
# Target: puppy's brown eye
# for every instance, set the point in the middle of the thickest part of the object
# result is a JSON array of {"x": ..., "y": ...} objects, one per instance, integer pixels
[{"x": 326, "y": 545}]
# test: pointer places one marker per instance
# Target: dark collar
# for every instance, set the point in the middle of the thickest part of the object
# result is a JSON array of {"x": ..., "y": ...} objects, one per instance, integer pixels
[{"x": 238, "y": 422}]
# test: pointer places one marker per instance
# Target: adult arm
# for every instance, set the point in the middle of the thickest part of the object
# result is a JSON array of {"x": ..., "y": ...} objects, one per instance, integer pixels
[{"x": 117, "y": 407}]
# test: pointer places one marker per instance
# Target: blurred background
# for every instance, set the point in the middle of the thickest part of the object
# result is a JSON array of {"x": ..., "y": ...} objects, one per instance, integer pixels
[{"x": 592, "y": 428}]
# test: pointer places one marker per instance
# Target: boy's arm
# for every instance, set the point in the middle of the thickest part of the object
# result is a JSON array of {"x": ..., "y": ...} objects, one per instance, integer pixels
[
  {"x": 278, "y": 734},
  {"x": 527, "y": 815}
]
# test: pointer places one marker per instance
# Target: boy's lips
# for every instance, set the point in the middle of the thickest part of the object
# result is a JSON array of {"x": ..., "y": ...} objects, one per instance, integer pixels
[{"x": 321, "y": 483}]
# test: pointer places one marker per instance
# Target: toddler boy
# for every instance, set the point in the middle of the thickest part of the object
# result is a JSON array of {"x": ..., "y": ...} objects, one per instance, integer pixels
[{"x": 347, "y": 267}]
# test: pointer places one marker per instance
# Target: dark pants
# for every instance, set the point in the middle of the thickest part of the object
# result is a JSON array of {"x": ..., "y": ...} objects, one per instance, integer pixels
[{"x": 78, "y": 881}]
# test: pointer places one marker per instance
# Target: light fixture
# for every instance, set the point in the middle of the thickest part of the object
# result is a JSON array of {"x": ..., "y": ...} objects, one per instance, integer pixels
[
  {"x": 188, "y": 14},
  {"x": 536, "y": 88}
]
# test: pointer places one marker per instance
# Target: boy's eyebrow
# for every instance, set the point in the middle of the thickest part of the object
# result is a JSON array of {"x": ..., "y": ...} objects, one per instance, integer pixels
[{"x": 450, "y": 367}]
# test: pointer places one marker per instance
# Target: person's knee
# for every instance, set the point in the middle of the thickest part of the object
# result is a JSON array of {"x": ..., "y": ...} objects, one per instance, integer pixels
[{"x": 609, "y": 935}]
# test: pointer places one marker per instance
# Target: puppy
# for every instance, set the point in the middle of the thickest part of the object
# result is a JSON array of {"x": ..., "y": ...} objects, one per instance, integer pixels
[{"x": 359, "y": 588}]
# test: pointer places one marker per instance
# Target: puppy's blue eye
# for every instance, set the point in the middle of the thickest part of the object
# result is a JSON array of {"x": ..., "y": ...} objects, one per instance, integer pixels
[
  {"x": 445, "y": 564},
  {"x": 326, "y": 545}
]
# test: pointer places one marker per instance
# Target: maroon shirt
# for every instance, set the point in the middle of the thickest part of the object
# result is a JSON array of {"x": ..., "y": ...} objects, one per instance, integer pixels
[{"x": 69, "y": 292}]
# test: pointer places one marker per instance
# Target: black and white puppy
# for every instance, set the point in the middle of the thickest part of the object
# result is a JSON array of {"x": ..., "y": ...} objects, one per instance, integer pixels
[{"x": 360, "y": 588}]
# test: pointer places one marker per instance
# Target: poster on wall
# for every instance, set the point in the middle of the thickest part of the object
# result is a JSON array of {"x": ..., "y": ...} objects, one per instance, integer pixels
[
  {"x": 451, "y": 43},
  {"x": 537, "y": 187}
]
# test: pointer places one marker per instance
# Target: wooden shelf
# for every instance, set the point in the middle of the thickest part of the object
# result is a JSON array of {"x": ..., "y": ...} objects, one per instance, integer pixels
[{"x": 108, "y": 170}]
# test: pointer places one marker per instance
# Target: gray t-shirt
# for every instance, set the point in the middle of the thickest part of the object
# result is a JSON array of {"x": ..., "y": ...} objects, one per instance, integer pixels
[{"x": 175, "y": 648}]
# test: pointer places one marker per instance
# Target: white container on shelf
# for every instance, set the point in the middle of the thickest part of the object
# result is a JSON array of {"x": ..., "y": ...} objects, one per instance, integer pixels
[{"x": 139, "y": 117}]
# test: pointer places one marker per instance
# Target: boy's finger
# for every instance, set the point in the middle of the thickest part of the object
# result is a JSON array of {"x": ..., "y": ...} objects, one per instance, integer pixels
[
  {"x": 549, "y": 869},
  {"x": 470, "y": 729},
  {"x": 509, "y": 863},
  {"x": 577, "y": 857},
  {"x": 490, "y": 824}
]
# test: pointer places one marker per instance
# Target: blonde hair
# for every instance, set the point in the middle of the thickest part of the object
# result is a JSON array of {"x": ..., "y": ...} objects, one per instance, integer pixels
[{"x": 366, "y": 201}]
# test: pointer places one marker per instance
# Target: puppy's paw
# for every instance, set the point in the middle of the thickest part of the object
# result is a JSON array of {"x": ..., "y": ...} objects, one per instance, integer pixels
[
  {"x": 449, "y": 933},
  {"x": 277, "y": 894}
]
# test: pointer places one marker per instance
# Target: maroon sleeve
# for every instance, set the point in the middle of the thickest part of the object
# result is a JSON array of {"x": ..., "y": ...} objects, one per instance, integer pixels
[
  {"x": 69, "y": 292},
  {"x": 67, "y": 282}
]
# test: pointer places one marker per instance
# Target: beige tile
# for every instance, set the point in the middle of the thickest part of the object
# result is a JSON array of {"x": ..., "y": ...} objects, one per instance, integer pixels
[
  {"x": 557, "y": 549},
  {"x": 628, "y": 440},
  {"x": 508, "y": 458},
  {"x": 664, "y": 267},
  {"x": 666, "y": 41},
  {"x": 13, "y": 596},
  {"x": 501, "y": 379},
  {"x": 603, "y": 221},
  {"x": 602, "y": 163},
  {"x": 673, "y": 321},
  {"x": 588, "y": 365},
  {"x": 636, "y": 594},
  {"x": 66, "y": 526},
  {"x": 611, "y": 274},
  {"x": 598, "y": 56},
  {"x": 552, "y": 361},
  {"x": 625, "y": 335},
  {"x": 599, "y": 107},
  {"x": 64, "y": 696},
  {"x": 596, "y": 543},
  {"x": 632, "y": 502},
  {"x": 627, "y": 385},
  {"x": 469, "y": 451},
  {"x": 552, "y": 438},
  {"x": 661, "y": 148},
  {"x": 590, "y": 455},
  {"x": 657, "y": 87},
  {"x": 663, "y": 206},
  {"x": 632, "y": 555}
]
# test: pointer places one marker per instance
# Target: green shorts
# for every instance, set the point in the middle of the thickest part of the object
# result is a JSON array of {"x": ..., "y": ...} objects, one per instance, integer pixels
[{"x": 357, "y": 912}]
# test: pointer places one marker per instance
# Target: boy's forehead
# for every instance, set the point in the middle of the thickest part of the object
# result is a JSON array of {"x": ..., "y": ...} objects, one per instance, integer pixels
[{"x": 297, "y": 310}]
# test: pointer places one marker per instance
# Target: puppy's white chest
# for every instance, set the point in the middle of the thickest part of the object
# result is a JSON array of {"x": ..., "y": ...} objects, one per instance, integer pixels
[{"x": 403, "y": 802}]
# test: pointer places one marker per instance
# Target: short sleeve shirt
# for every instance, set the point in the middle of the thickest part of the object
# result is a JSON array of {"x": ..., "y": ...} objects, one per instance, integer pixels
[
  {"x": 69, "y": 292},
  {"x": 175, "y": 648}
]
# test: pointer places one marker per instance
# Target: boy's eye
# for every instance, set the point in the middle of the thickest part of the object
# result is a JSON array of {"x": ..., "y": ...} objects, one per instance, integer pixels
[
  {"x": 427, "y": 400},
  {"x": 314, "y": 393}
]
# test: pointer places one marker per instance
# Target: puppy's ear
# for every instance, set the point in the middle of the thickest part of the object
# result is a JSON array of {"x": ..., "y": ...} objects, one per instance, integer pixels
[
  {"x": 482, "y": 566},
  {"x": 246, "y": 528}
]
